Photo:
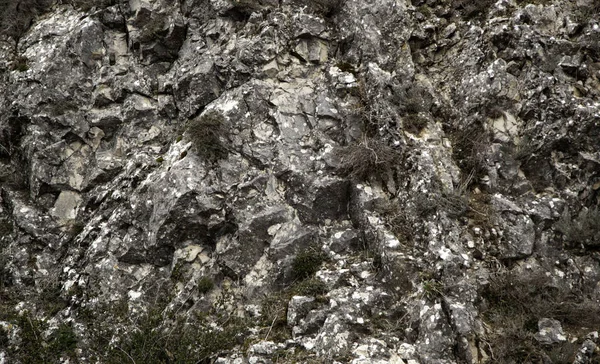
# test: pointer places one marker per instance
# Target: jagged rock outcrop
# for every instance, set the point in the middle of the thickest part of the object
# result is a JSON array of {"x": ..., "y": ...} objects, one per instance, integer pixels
[{"x": 300, "y": 181}]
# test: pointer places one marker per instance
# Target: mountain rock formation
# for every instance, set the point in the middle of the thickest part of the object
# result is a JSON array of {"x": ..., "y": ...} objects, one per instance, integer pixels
[{"x": 311, "y": 181}]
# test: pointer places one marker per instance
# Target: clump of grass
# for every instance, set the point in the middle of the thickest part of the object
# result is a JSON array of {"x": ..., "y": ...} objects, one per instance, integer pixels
[
  {"x": 310, "y": 287},
  {"x": 307, "y": 263},
  {"x": 455, "y": 202},
  {"x": 35, "y": 347},
  {"x": 274, "y": 316},
  {"x": 369, "y": 158},
  {"x": 514, "y": 303},
  {"x": 208, "y": 134},
  {"x": 205, "y": 285},
  {"x": 584, "y": 229},
  {"x": 432, "y": 289},
  {"x": 153, "y": 341},
  {"x": 157, "y": 336}
]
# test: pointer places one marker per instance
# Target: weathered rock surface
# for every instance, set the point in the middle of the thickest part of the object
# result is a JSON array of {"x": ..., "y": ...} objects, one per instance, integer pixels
[{"x": 397, "y": 182}]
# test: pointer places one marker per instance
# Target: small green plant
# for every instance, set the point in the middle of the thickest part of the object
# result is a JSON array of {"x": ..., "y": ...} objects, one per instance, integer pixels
[
  {"x": 307, "y": 263},
  {"x": 160, "y": 160},
  {"x": 207, "y": 134},
  {"x": 425, "y": 10},
  {"x": 310, "y": 287},
  {"x": 205, "y": 285},
  {"x": 63, "y": 340},
  {"x": 178, "y": 271},
  {"x": 76, "y": 228},
  {"x": 432, "y": 289}
]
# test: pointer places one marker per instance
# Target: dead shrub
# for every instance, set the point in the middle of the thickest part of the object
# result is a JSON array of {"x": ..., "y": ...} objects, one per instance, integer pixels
[
  {"x": 369, "y": 158},
  {"x": 469, "y": 150},
  {"x": 397, "y": 219}
]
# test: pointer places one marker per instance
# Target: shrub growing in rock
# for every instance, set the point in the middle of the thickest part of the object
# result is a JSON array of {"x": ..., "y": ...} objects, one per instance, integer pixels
[
  {"x": 371, "y": 157},
  {"x": 208, "y": 134},
  {"x": 307, "y": 263},
  {"x": 414, "y": 123},
  {"x": 310, "y": 287},
  {"x": 205, "y": 285}
]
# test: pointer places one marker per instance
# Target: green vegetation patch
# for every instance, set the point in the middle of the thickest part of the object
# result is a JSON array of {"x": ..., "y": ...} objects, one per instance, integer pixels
[
  {"x": 208, "y": 134},
  {"x": 34, "y": 346},
  {"x": 307, "y": 263}
]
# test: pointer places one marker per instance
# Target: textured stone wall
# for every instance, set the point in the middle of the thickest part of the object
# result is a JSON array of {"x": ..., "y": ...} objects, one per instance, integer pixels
[{"x": 288, "y": 181}]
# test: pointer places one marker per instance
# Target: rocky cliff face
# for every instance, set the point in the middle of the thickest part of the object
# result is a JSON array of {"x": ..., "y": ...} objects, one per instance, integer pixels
[{"x": 261, "y": 181}]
